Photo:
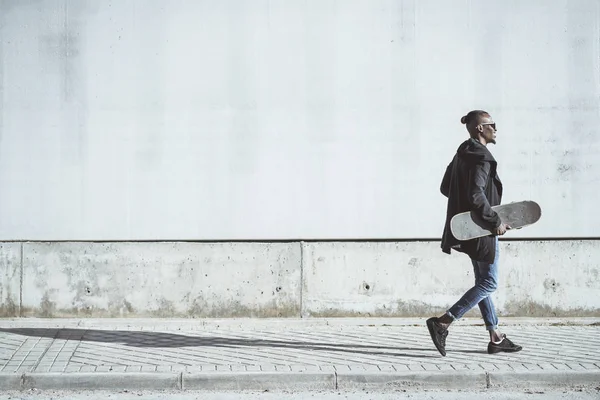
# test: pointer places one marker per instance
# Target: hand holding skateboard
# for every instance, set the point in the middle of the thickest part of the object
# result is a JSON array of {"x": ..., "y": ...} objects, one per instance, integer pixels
[{"x": 501, "y": 230}]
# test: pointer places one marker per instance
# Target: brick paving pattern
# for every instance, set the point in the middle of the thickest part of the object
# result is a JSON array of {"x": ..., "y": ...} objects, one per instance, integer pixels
[{"x": 177, "y": 347}]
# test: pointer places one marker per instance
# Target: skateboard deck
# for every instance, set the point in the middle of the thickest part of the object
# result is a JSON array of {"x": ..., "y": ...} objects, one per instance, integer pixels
[{"x": 517, "y": 215}]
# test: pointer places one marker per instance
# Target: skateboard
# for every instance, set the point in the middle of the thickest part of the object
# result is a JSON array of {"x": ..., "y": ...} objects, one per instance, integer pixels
[{"x": 517, "y": 215}]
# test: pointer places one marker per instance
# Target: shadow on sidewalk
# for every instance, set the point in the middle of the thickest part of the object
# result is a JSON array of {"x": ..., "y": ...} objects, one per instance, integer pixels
[{"x": 148, "y": 339}]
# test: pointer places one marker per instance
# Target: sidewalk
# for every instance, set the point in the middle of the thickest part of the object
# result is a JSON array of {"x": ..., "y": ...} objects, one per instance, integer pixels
[{"x": 271, "y": 354}]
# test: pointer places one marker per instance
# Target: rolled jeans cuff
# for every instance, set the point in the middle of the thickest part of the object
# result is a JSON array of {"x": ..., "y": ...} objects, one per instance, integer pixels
[{"x": 448, "y": 313}]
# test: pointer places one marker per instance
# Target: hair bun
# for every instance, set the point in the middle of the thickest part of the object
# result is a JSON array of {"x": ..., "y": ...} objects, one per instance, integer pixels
[{"x": 463, "y": 120}]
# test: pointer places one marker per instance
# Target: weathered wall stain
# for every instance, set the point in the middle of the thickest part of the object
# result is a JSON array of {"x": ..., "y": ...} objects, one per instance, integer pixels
[
  {"x": 400, "y": 309},
  {"x": 551, "y": 285},
  {"x": 47, "y": 308},
  {"x": 529, "y": 308},
  {"x": 10, "y": 279},
  {"x": 8, "y": 308}
]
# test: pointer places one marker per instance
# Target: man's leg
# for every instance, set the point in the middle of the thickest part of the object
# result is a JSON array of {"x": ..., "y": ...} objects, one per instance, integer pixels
[
  {"x": 486, "y": 282},
  {"x": 486, "y": 306},
  {"x": 498, "y": 341},
  {"x": 489, "y": 272}
]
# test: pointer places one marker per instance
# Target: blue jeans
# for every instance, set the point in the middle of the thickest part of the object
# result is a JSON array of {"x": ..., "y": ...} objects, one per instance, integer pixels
[{"x": 486, "y": 282}]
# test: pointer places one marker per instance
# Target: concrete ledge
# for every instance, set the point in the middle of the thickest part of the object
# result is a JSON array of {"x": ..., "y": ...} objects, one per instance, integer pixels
[
  {"x": 539, "y": 279},
  {"x": 533, "y": 379},
  {"x": 441, "y": 379},
  {"x": 416, "y": 279},
  {"x": 99, "y": 380},
  {"x": 159, "y": 280},
  {"x": 259, "y": 381}
]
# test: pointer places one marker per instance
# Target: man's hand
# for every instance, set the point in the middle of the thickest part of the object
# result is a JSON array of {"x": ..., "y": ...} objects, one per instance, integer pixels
[{"x": 501, "y": 230}]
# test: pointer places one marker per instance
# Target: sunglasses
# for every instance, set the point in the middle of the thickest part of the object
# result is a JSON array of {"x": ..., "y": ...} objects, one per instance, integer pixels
[{"x": 493, "y": 124}]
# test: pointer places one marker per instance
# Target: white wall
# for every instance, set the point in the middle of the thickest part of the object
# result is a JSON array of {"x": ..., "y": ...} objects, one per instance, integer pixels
[{"x": 237, "y": 119}]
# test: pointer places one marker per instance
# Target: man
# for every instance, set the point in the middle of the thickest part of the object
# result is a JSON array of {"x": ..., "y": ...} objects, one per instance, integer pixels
[{"x": 471, "y": 183}]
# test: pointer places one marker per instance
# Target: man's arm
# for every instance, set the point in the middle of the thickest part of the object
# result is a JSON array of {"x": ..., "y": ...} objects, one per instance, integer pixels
[{"x": 478, "y": 179}]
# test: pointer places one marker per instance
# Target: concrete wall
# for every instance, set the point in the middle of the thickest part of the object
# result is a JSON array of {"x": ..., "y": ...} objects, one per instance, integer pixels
[
  {"x": 179, "y": 120},
  {"x": 316, "y": 279},
  {"x": 259, "y": 120}
]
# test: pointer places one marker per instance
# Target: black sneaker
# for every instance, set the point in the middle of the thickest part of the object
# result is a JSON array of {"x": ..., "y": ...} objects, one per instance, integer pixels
[
  {"x": 438, "y": 334},
  {"x": 505, "y": 345}
]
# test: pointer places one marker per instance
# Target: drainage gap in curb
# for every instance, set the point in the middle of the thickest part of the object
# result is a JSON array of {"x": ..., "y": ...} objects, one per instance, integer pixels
[{"x": 335, "y": 379}]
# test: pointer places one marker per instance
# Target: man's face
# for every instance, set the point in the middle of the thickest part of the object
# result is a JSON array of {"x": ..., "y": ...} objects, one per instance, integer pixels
[{"x": 488, "y": 129}]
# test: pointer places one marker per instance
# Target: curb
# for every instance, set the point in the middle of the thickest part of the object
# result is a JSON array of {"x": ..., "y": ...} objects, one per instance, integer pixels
[
  {"x": 412, "y": 380},
  {"x": 91, "y": 380},
  {"x": 305, "y": 381},
  {"x": 528, "y": 379}
]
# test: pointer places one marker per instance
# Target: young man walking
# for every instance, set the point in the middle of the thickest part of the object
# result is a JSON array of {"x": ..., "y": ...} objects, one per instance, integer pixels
[{"x": 471, "y": 183}]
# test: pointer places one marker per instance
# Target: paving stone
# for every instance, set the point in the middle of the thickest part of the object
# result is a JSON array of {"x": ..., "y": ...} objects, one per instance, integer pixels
[{"x": 256, "y": 347}]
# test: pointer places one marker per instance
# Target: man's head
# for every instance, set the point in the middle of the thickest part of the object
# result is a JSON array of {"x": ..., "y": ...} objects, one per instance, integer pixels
[{"x": 480, "y": 126}]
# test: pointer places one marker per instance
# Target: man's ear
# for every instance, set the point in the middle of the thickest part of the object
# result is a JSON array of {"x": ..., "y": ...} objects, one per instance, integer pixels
[{"x": 480, "y": 128}]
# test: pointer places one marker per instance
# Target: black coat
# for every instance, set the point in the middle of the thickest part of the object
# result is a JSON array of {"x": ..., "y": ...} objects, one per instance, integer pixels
[{"x": 471, "y": 183}]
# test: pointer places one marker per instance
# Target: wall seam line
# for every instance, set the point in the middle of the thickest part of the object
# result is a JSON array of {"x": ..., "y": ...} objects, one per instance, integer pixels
[
  {"x": 21, "y": 284},
  {"x": 301, "y": 279}
]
